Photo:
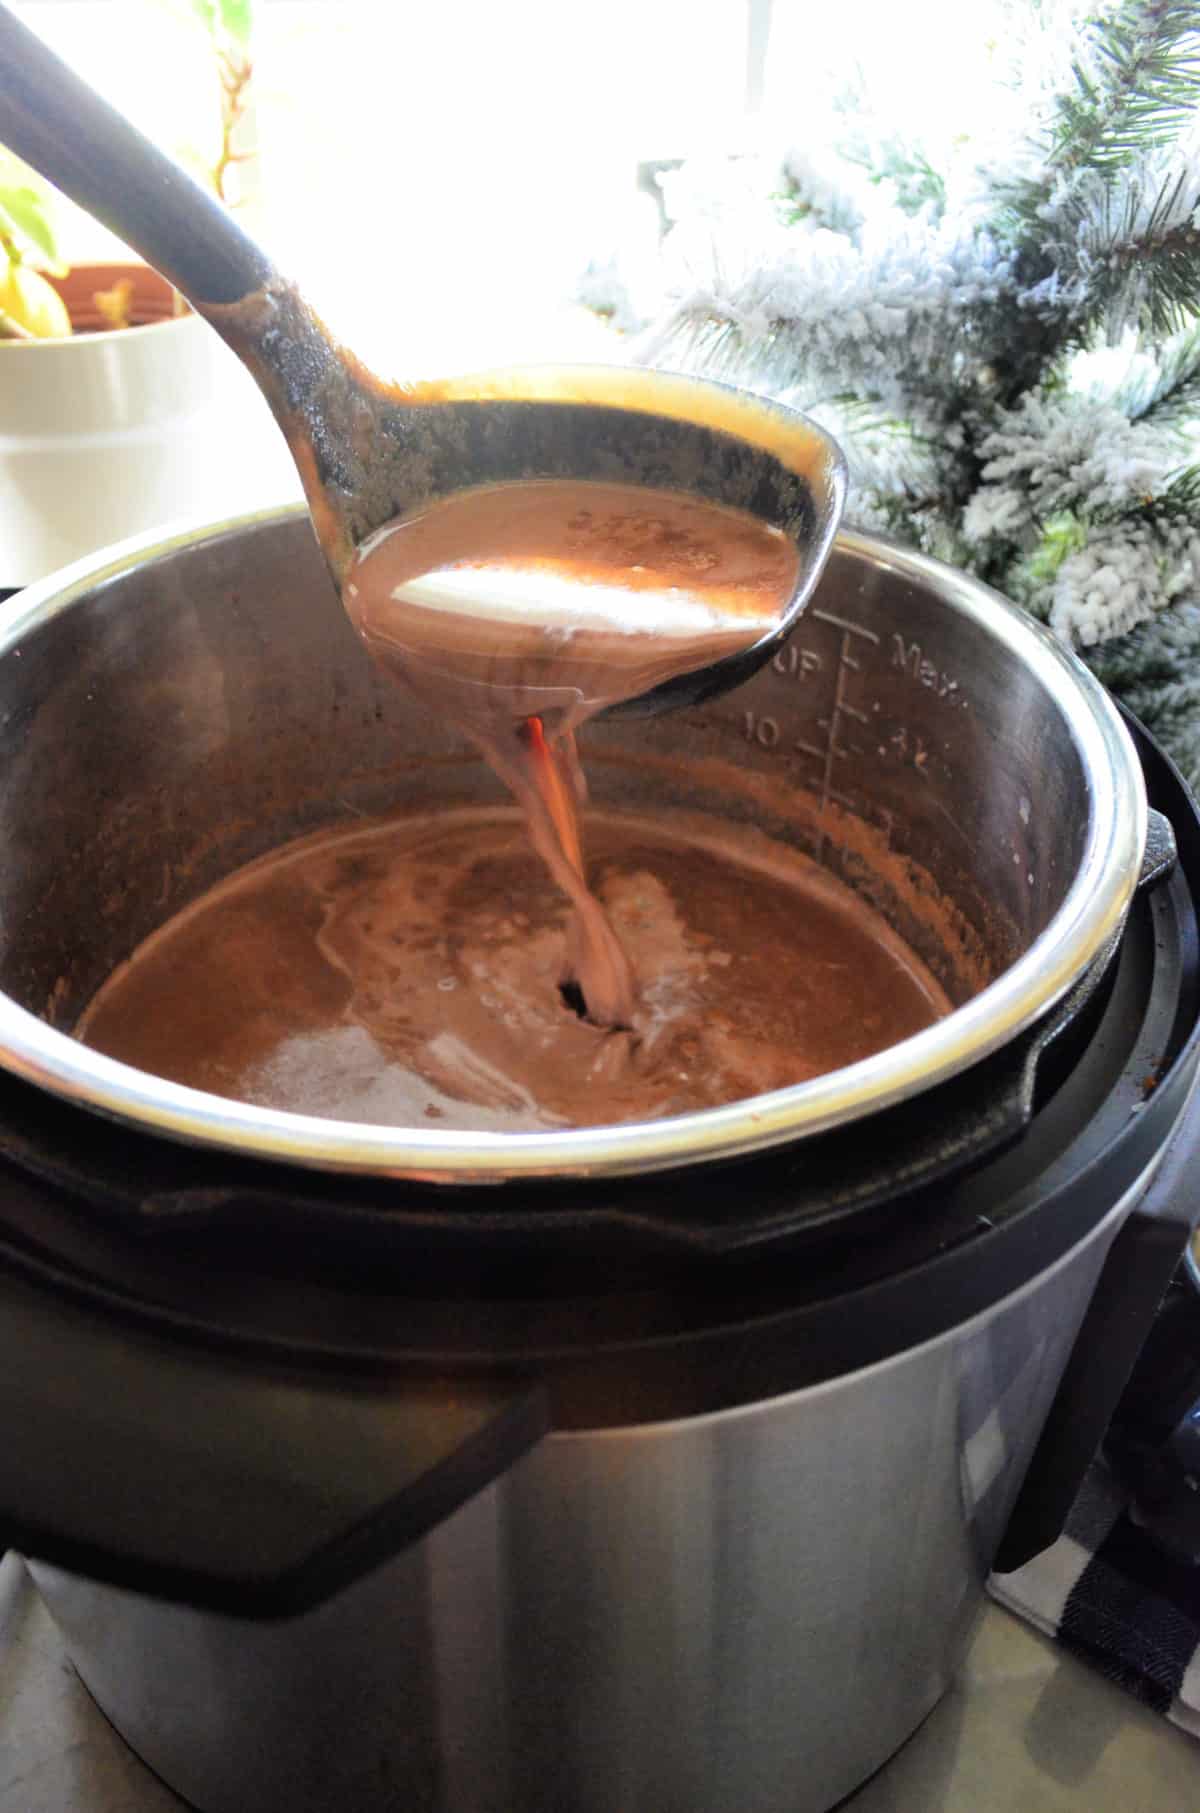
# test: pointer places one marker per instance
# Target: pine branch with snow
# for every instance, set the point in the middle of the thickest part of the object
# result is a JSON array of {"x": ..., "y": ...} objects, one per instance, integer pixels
[
  {"x": 1128, "y": 255},
  {"x": 1133, "y": 89}
]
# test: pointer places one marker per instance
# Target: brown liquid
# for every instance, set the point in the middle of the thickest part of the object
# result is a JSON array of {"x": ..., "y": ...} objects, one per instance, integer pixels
[
  {"x": 407, "y": 974},
  {"x": 519, "y": 611}
]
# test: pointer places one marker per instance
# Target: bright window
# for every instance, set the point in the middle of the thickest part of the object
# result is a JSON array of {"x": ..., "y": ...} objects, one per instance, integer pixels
[{"x": 437, "y": 172}]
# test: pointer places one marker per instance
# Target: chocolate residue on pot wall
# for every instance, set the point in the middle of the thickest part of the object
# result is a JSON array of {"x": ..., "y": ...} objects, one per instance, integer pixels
[
  {"x": 408, "y": 973},
  {"x": 963, "y": 953}
]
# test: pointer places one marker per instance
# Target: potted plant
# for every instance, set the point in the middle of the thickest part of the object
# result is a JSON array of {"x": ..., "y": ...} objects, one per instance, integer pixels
[{"x": 120, "y": 410}]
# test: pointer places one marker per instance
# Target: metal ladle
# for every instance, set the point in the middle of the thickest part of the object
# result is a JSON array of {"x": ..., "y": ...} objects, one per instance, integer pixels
[{"x": 368, "y": 451}]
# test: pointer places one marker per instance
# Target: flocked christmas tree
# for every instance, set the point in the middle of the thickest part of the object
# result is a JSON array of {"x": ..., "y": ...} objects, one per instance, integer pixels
[{"x": 1006, "y": 339}]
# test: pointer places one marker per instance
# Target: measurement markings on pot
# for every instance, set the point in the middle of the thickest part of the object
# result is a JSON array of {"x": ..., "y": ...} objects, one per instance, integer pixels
[
  {"x": 911, "y": 659},
  {"x": 800, "y": 663},
  {"x": 860, "y": 649}
]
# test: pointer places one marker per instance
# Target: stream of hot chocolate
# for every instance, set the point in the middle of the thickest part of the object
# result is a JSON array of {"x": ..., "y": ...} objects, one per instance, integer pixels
[
  {"x": 549, "y": 785},
  {"x": 519, "y": 611}
]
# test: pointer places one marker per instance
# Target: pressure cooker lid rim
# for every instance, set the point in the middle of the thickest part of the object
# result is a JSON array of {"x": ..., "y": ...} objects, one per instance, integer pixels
[{"x": 1090, "y": 915}]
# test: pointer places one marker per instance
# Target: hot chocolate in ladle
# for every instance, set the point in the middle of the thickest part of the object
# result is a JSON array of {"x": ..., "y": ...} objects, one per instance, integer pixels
[{"x": 369, "y": 452}]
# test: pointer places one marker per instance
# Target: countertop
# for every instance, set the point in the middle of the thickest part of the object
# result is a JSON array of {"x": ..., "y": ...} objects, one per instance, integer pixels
[{"x": 1027, "y": 1730}]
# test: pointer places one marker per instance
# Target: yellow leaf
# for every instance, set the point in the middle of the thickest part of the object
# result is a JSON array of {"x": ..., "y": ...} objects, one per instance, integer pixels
[{"x": 34, "y": 304}]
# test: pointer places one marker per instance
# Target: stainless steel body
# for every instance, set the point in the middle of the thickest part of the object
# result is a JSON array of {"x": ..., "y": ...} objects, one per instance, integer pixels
[
  {"x": 744, "y": 1611},
  {"x": 175, "y": 709}
]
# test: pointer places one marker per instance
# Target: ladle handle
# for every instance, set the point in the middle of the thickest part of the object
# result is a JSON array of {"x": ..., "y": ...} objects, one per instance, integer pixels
[{"x": 53, "y": 120}]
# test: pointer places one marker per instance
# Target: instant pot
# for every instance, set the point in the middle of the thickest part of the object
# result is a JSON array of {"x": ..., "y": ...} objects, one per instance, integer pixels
[{"x": 642, "y": 1470}]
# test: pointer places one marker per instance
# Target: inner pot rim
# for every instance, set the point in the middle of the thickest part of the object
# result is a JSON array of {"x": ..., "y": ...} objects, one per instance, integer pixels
[{"x": 1091, "y": 914}]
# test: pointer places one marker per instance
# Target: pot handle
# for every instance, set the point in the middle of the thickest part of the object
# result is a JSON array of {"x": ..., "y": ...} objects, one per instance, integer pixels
[
  {"x": 247, "y": 1488},
  {"x": 1161, "y": 852},
  {"x": 1133, "y": 1282}
]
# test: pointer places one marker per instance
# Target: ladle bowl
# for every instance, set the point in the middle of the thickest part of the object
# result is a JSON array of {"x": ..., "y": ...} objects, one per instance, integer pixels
[{"x": 369, "y": 451}]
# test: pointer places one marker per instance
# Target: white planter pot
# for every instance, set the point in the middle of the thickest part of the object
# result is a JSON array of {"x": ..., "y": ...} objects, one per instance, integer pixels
[{"x": 111, "y": 433}]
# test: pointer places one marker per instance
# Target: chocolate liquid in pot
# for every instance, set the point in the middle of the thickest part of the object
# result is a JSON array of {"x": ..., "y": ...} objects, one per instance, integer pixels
[
  {"x": 407, "y": 974},
  {"x": 519, "y": 611}
]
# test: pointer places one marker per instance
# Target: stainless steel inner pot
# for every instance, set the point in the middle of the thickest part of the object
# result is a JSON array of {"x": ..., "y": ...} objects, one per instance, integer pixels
[{"x": 183, "y": 704}]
